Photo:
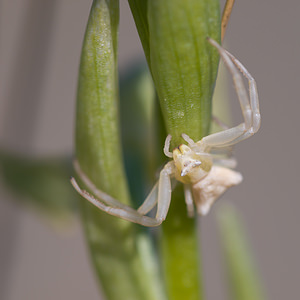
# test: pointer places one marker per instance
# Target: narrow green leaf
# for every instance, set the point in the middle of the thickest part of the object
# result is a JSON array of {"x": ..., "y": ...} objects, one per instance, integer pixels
[
  {"x": 122, "y": 255},
  {"x": 242, "y": 276},
  {"x": 97, "y": 106},
  {"x": 43, "y": 183}
]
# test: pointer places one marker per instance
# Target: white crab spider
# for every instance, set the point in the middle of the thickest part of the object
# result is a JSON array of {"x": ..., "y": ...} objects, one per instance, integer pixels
[{"x": 192, "y": 164}]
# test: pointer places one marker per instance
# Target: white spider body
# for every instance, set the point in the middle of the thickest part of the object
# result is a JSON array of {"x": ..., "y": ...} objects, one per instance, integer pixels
[
  {"x": 206, "y": 181},
  {"x": 204, "y": 175}
]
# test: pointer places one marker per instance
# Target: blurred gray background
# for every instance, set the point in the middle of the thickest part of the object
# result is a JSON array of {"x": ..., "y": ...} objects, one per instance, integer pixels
[{"x": 40, "y": 43}]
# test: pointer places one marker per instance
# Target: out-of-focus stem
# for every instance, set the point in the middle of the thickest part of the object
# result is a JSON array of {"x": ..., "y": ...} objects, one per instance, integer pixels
[{"x": 242, "y": 276}]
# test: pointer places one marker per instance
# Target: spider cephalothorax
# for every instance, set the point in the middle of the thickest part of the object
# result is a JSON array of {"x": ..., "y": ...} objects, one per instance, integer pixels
[{"x": 190, "y": 167}]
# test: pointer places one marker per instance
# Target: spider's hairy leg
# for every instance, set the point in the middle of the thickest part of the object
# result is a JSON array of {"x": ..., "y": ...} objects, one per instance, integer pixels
[
  {"x": 224, "y": 157},
  {"x": 150, "y": 201},
  {"x": 164, "y": 191},
  {"x": 228, "y": 162},
  {"x": 126, "y": 213},
  {"x": 252, "y": 92},
  {"x": 188, "y": 139},
  {"x": 189, "y": 200},
  {"x": 92, "y": 187},
  {"x": 167, "y": 151},
  {"x": 250, "y": 110},
  {"x": 160, "y": 195}
]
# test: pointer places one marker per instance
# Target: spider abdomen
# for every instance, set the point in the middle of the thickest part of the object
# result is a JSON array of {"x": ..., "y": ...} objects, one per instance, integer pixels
[{"x": 210, "y": 188}]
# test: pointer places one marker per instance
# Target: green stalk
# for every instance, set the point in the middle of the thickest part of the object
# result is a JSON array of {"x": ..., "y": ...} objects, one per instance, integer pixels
[
  {"x": 122, "y": 255},
  {"x": 180, "y": 252},
  {"x": 184, "y": 68}
]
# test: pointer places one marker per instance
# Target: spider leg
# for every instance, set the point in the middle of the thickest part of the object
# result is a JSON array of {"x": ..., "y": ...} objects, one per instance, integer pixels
[
  {"x": 250, "y": 110},
  {"x": 252, "y": 92},
  {"x": 189, "y": 200},
  {"x": 160, "y": 194},
  {"x": 253, "y": 102},
  {"x": 188, "y": 139},
  {"x": 91, "y": 186},
  {"x": 126, "y": 213},
  {"x": 150, "y": 201},
  {"x": 167, "y": 146},
  {"x": 164, "y": 191},
  {"x": 229, "y": 162},
  {"x": 224, "y": 157}
]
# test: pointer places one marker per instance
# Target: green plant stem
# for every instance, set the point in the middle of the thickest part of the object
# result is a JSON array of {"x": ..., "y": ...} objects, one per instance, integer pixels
[
  {"x": 184, "y": 68},
  {"x": 121, "y": 254},
  {"x": 180, "y": 252}
]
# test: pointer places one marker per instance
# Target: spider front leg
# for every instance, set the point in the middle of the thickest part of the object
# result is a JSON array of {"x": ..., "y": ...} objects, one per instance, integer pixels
[
  {"x": 160, "y": 195},
  {"x": 163, "y": 192},
  {"x": 250, "y": 110}
]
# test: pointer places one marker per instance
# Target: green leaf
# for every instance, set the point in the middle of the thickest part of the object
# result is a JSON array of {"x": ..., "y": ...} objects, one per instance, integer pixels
[
  {"x": 121, "y": 253},
  {"x": 43, "y": 183},
  {"x": 242, "y": 276}
]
